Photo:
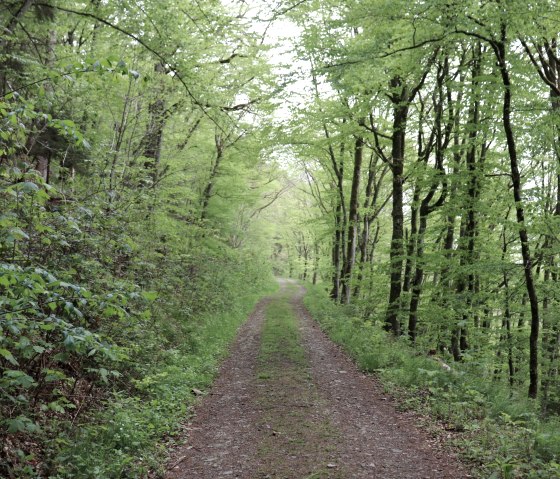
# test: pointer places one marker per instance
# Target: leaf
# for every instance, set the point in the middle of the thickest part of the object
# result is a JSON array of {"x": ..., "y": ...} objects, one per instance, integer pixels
[
  {"x": 8, "y": 356},
  {"x": 21, "y": 424},
  {"x": 29, "y": 187},
  {"x": 56, "y": 407},
  {"x": 110, "y": 311},
  {"x": 53, "y": 375},
  {"x": 19, "y": 378},
  {"x": 103, "y": 373},
  {"x": 17, "y": 234},
  {"x": 149, "y": 295},
  {"x": 15, "y": 425},
  {"x": 69, "y": 342}
]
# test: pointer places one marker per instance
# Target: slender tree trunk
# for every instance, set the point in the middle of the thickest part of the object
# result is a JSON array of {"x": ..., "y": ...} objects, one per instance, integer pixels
[
  {"x": 315, "y": 261},
  {"x": 401, "y": 99},
  {"x": 506, "y": 323},
  {"x": 500, "y": 51},
  {"x": 208, "y": 190},
  {"x": 552, "y": 338},
  {"x": 7, "y": 30},
  {"x": 413, "y": 235},
  {"x": 153, "y": 137},
  {"x": 353, "y": 220},
  {"x": 467, "y": 247},
  {"x": 373, "y": 188},
  {"x": 340, "y": 221},
  {"x": 418, "y": 277},
  {"x": 400, "y": 115},
  {"x": 337, "y": 244}
]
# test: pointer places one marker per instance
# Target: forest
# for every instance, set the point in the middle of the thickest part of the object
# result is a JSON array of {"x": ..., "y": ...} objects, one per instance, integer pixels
[{"x": 161, "y": 162}]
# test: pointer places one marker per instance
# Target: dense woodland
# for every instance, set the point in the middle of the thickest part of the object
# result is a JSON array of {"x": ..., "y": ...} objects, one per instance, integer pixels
[{"x": 158, "y": 165}]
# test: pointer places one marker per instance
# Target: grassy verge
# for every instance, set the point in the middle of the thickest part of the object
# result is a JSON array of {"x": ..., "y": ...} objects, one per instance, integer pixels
[
  {"x": 496, "y": 428},
  {"x": 288, "y": 399}
]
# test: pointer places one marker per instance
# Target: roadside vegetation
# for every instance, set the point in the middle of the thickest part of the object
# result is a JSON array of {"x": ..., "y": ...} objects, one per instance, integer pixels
[{"x": 105, "y": 343}]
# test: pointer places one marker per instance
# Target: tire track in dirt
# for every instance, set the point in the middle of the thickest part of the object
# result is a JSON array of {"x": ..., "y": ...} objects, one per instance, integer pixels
[
  {"x": 377, "y": 442},
  {"x": 221, "y": 436},
  {"x": 322, "y": 418}
]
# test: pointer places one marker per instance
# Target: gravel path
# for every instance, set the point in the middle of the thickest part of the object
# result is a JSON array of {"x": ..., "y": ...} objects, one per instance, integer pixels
[{"x": 340, "y": 425}]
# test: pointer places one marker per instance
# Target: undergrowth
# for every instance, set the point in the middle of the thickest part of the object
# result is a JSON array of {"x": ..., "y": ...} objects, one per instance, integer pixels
[
  {"x": 178, "y": 355},
  {"x": 125, "y": 440},
  {"x": 494, "y": 426},
  {"x": 108, "y": 323}
]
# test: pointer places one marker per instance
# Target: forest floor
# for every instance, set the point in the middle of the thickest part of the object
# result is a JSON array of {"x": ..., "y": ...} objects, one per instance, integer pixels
[{"x": 288, "y": 403}]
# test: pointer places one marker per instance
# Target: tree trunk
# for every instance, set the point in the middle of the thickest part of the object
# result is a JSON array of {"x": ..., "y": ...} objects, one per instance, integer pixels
[
  {"x": 315, "y": 261},
  {"x": 500, "y": 51},
  {"x": 400, "y": 115},
  {"x": 352, "y": 222},
  {"x": 208, "y": 190},
  {"x": 337, "y": 244}
]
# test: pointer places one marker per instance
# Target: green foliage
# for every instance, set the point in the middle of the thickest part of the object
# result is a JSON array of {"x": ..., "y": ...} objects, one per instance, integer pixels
[
  {"x": 122, "y": 440},
  {"x": 52, "y": 343},
  {"x": 99, "y": 374}
]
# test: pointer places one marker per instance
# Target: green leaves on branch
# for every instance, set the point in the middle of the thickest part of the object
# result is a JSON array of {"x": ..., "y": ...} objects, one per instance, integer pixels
[{"x": 18, "y": 115}]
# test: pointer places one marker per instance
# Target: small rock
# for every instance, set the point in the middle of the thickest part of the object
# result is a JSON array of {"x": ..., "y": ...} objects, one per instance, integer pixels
[{"x": 331, "y": 466}]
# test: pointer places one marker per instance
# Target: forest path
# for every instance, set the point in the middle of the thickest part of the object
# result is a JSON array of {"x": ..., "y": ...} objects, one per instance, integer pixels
[{"x": 288, "y": 403}]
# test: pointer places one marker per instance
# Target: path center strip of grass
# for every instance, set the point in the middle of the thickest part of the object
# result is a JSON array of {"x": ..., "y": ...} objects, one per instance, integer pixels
[{"x": 298, "y": 439}]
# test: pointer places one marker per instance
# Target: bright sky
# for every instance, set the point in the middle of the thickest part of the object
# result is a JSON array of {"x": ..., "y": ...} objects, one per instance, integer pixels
[{"x": 283, "y": 35}]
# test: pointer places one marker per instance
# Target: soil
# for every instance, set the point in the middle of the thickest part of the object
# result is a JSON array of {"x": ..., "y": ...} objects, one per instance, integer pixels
[{"x": 303, "y": 411}]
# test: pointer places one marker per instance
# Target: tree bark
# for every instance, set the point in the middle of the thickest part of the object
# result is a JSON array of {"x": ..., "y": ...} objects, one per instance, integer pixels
[
  {"x": 208, "y": 190},
  {"x": 353, "y": 220},
  {"x": 400, "y": 116},
  {"x": 500, "y": 52}
]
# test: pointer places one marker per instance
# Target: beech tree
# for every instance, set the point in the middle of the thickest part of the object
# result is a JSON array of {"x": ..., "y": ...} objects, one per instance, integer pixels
[{"x": 416, "y": 100}]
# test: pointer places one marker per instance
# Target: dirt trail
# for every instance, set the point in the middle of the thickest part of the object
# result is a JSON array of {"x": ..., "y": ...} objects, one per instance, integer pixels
[{"x": 304, "y": 413}]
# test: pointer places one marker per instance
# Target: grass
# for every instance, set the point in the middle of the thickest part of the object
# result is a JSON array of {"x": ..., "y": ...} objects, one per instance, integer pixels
[
  {"x": 280, "y": 340},
  {"x": 288, "y": 399},
  {"x": 499, "y": 430}
]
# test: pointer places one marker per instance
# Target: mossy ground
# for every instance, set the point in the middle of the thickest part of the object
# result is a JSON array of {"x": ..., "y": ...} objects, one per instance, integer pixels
[{"x": 296, "y": 429}]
